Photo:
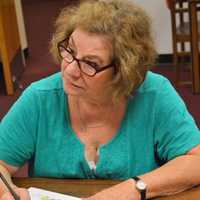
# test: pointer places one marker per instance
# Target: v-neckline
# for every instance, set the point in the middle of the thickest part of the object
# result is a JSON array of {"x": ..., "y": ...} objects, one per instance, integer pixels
[{"x": 82, "y": 145}]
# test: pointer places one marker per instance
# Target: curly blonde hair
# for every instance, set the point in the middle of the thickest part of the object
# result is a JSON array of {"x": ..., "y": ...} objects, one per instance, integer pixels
[{"x": 129, "y": 28}]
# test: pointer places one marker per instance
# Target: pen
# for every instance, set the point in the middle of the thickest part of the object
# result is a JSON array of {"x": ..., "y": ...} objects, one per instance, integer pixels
[{"x": 15, "y": 196}]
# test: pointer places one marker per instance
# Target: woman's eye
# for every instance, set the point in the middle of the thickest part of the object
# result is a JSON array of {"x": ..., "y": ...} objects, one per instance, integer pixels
[
  {"x": 70, "y": 50},
  {"x": 93, "y": 64}
]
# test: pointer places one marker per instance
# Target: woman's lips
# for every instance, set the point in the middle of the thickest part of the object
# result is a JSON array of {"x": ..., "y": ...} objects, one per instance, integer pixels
[
  {"x": 68, "y": 81},
  {"x": 77, "y": 86}
]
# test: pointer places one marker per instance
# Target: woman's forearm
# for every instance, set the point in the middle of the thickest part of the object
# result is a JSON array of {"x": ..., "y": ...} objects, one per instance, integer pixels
[{"x": 175, "y": 176}]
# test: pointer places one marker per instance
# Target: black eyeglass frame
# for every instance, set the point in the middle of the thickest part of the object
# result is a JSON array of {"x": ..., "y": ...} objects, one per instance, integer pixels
[{"x": 97, "y": 70}]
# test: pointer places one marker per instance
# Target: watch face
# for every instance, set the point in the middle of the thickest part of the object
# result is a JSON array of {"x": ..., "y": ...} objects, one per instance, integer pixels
[{"x": 141, "y": 185}]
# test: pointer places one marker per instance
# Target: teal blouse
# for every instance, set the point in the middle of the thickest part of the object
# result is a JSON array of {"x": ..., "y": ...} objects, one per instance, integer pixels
[{"x": 156, "y": 128}]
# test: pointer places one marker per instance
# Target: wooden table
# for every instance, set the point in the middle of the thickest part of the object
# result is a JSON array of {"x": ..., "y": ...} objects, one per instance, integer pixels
[{"x": 85, "y": 188}]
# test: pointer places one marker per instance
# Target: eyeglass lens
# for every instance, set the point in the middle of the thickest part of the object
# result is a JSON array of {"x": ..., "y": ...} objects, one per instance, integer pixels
[{"x": 68, "y": 56}]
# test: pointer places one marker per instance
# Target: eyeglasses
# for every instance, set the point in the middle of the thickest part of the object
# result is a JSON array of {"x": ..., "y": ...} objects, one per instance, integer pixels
[{"x": 87, "y": 67}]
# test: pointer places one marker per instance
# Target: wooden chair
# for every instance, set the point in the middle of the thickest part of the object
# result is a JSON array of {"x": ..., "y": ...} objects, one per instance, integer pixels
[
  {"x": 195, "y": 34},
  {"x": 181, "y": 37}
]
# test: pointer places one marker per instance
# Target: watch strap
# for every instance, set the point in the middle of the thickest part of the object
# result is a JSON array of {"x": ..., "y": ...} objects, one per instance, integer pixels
[{"x": 142, "y": 192}]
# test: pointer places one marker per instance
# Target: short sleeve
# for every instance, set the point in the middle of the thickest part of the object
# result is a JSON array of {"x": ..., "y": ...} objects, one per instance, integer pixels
[
  {"x": 18, "y": 130},
  {"x": 175, "y": 131}
]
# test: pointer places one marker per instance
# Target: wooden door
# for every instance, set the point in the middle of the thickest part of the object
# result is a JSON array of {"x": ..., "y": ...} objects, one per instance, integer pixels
[{"x": 10, "y": 50}]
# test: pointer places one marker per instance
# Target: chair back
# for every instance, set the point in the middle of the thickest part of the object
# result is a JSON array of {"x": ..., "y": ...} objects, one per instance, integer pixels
[{"x": 185, "y": 37}]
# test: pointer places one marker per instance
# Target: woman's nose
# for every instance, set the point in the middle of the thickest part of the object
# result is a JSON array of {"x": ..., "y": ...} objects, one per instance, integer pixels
[{"x": 72, "y": 69}]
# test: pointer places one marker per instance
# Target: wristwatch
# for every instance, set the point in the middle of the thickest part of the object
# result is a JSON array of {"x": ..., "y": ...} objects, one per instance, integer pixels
[{"x": 141, "y": 186}]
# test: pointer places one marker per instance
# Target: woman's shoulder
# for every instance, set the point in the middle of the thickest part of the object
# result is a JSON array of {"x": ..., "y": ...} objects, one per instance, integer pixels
[
  {"x": 157, "y": 88},
  {"x": 47, "y": 88},
  {"x": 52, "y": 82},
  {"x": 153, "y": 82}
]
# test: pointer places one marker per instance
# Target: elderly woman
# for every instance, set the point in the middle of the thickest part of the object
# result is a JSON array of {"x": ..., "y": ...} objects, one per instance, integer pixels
[{"x": 105, "y": 115}]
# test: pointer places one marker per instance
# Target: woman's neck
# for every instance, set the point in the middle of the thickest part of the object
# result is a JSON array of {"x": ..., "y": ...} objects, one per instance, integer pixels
[
  {"x": 96, "y": 114},
  {"x": 94, "y": 107},
  {"x": 92, "y": 113}
]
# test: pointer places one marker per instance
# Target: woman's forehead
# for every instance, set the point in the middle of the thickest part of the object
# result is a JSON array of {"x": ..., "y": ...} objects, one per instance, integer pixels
[
  {"x": 80, "y": 36},
  {"x": 90, "y": 42}
]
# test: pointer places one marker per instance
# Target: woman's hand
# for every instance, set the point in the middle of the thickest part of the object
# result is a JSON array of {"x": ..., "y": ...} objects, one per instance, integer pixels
[
  {"x": 122, "y": 191},
  {"x": 23, "y": 194}
]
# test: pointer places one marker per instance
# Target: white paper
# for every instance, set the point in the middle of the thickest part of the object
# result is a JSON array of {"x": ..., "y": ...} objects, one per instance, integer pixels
[{"x": 41, "y": 194}]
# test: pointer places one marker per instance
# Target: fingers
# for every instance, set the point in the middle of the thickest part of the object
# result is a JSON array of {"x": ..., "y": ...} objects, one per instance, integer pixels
[
  {"x": 7, "y": 196},
  {"x": 23, "y": 194},
  {"x": 92, "y": 198}
]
